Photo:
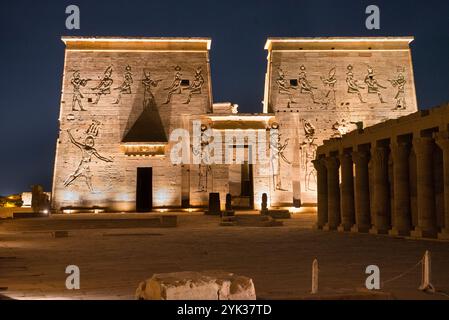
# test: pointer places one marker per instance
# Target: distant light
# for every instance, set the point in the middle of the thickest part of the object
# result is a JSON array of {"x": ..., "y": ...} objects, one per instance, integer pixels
[{"x": 45, "y": 212}]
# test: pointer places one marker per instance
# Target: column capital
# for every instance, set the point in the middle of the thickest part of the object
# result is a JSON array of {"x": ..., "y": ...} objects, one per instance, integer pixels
[
  {"x": 331, "y": 163},
  {"x": 319, "y": 164},
  {"x": 400, "y": 149},
  {"x": 379, "y": 154},
  {"x": 442, "y": 140},
  {"x": 423, "y": 145},
  {"x": 360, "y": 157},
  {"x": 344, "y": 157}
]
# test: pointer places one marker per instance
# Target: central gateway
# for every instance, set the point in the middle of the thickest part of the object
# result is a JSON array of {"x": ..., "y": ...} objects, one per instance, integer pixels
[{"x": 124, "y": 101}]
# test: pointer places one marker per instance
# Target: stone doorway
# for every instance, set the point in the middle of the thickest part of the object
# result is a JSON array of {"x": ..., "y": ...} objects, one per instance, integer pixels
[
  {"x": 241, "y": 185},
  {"x": 144, "y": 190}
]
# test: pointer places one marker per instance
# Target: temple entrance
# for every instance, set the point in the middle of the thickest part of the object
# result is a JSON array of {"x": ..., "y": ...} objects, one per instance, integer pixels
[
  {"x": 144, "y": 191},
  {"x": 241, "y": 185}
]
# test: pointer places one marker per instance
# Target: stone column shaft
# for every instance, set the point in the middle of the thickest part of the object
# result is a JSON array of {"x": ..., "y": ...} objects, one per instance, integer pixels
[
  {"x": 401, "y": 182},
  {"x": 381, "y": 188},
  {"x": 333, "y": 193},
  {"x": 321, "y": 170},
  {"x": 426, "y": 227},
  {"x": 362, "y": 192},
  {"x": 347, "y": 193},
  {"x": 443, "y": 142}
]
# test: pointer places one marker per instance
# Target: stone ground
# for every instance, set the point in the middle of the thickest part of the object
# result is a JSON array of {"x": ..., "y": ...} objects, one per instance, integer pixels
[{"x": 114, "y": 256}]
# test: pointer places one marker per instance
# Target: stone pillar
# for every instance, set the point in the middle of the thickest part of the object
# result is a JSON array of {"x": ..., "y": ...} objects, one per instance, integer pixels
[
  {"x": 442, "y": 140},
  {"x": 333, "y": 193},
  {"x": 347, "y": 193},
  {"x": 362, "y": 192},
  {"x": 402, "y": 215},
  {"x": 427, "y": 226},
  {"x": 381, "y": 189},
  {"x": 322, "y": 200}
]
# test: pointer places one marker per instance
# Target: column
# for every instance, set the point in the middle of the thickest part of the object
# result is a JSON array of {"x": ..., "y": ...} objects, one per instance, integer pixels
[
  {"x": 347, "y": 193},
  {"x": 381, "y": 189},
  {"x": 321, "y": 170},
  {"x": 442, "y": 140},
  {"x": 402, "y": 215},
  {"x": 362, "y": 192},
  {"x": 333, "y": 193},
  {"x": 425, "y": 188}
]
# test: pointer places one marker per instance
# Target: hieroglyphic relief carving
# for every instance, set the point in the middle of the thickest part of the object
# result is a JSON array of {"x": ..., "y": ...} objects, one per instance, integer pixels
[
  {"x": 400, "y": 83},
  {"x": 329, "y": 83},
  {"x": 353, "y": 85},
  {"x": 204, "y": 167},
  {"x": 284, "y": 87},
  {"x": 175, "y": 87},
  {"x": 277, "y": 157},
  {"x": 304, "y": 84},
  {"x": 78, "y": 82},
  {"x": 373, "y": 85},
  {"x": 308, "y": 153},
  {"x": 104, "y": 86},
  {"x": 125, "y": 87},
  {"x": 197, "y": 84},
  {"x": 148, "y": 83},
  {"x": 87, "y": 151}
]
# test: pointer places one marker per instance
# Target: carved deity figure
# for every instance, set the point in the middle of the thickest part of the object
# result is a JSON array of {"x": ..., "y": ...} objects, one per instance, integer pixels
[
  {"x": 125, "y": 87},
  {"x": 204, "y": 167},
  {"x": 373, "y": 85},
  {"x": 304, "y": 84},
  {"x": 148, "y": 83},
  {"x": 78, "y": 82},
  {"x": 197, "y": 84},
  {"x": 175, "y": 87},
  {"x": 277, "y": 155},
  {"x": 400, "y": 83},
  {"x": 104, "y": 87},
  {"x": 284, "y": 87},
  {"x": 87, "y": 151},
  {"x": 353, "y": 85},
  {"x": 329, "y": 83},
  {"x": 308, "y": 153}
]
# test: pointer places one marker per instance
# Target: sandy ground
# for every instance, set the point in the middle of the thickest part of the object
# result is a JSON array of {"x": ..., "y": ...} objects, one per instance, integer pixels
[{"x": 115, "y": 255}]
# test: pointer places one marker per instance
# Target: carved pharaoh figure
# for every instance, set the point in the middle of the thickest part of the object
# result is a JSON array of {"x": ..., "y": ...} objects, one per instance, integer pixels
[
  {"x": 308, "y": 153},
  {"x": 125, "y": 87},
  {"x": 353, "y": 85},
  {"x": 373, "y": 85},
  {"x": 78, "y": 82},
  {"x": 197, "y": 84},
  {"x": 304, "y": 84},
  {"x": 284, "y": 87},
  {"x": 87, "y": 151},
  {"x": 148, "y": 97},
  {"x": 104, "y": 87},
  {"x": 400, "y": 83},
  {"x": 276, "y": 157},
  {"x": 329, "y": 83},
  {"x": 175, "y": 87}
]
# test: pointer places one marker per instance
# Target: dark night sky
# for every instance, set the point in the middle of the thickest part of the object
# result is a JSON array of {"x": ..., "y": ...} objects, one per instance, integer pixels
[{"x": 32, "y": 54}]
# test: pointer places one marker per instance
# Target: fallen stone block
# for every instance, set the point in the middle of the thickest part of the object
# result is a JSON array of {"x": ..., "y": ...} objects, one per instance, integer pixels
[{"x": 208, "y": 285}]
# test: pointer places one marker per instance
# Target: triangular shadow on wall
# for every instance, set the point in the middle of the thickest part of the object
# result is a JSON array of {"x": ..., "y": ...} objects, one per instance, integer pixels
[{"x": 147, "y": 127}]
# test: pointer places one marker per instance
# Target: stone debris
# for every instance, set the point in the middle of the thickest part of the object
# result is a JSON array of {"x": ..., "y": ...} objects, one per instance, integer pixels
[{"x": 208, "y": 285}]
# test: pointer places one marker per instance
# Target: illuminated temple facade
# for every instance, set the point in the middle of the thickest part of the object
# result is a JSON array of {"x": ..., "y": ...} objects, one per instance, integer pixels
[{"x": 125, "y": 102}]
